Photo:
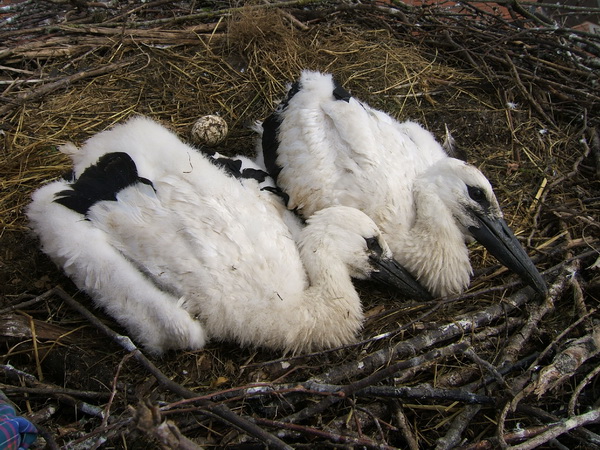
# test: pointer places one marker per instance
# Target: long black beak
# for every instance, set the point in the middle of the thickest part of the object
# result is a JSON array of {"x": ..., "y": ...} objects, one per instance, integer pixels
[
  {"x": 496, "y": 236},
  {"x": 390, "y": 273}
]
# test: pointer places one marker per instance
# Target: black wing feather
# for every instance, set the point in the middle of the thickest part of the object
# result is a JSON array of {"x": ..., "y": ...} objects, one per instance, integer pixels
[{"x": 102, "y": 181}]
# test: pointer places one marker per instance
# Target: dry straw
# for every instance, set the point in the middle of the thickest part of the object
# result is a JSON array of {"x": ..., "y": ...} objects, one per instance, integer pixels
[{"x": 520, "y": 96}]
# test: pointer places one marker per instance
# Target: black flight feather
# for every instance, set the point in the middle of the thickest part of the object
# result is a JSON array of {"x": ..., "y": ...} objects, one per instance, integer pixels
[
  {"x": 340, "y": 93},
  {"x": 232, "y": 166},
  {"x": 278, "y": 192},
  {"x": 270, "y": 142},
  {"x": 255, "y": 174},
  {"x": 102, "y": 181}
]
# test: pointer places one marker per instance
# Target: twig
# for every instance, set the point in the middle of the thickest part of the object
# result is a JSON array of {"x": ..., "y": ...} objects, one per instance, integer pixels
[
  {"x": 39, "y": 92},
  {"x": 463, "y": 324},
  {"x": 114, "y": 389},
  {"x": 220, "y": 411},
  {"x": 510, "y": 437},
  {"x": 147, "y": 418},
  {"x": 43, "y": 414},
  {"x": 560, "y": 428},
  {"x": 579, "y": 388},
  {"x": 338, "y": 438},
  {"x": 502, "y": 371},
  {"x": 525, "y": 92},
  {"x": 512, "y": 349},
  {"x": 594, "y": 144},
  {"x": 453, "y": 435},
  {"x": 566, "y": 363},
  {"x": 487, "y": 366},
  {"x": 586, "y": 436},
  {"x": 460, "y": 423},
  {"x": 97, "y": 436},
  {"x": 407, "y": 431},
  {"x": 47, "y": 390},
  {"x": 349, "y": 389},
  {"x": 28, "y": 303},
  {"x": 425, "y": 392},
  {"x": 218, "y": 13},
  {"x": 389, "y": 371},
  {"x": 50, "y": 442}
]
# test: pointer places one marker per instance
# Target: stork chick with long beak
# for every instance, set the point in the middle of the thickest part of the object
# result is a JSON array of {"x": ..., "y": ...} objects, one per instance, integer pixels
[
  {"x": 180, "y": 247},
  {"x": 324, "y": 147}
]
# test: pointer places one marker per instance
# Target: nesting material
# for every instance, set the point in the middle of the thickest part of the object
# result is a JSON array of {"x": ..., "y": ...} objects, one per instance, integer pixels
[
  {"x": 522, "y": 112},
  {"x": 209, "y": 130}
]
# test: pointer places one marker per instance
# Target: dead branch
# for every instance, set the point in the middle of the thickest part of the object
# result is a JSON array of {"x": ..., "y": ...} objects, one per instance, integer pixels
[
  {"x": 389, "y": 371},
  {"x": 422, "y": 392},
  {"x": 583, "y": 434},
  {"x": 509, "y": 355},
  {"x": 462, "y": 325},
  {"x": 147, "y": 418},
  {"x": 45, "y": 89},
  {"x": 425, "y": 392},
  {"x": 43, "y": 414},
  {"x": 407, "y": 430},
  {"x": 98, "y": 436},
  {"x": 113, "y": 391},
  {"x": 433, "y": 304},
  {"x": 560, "y": 428},
  {"x": 566, "y": 363},
  {"x": 486, "y": 366},
  {"x": 50, "y": 390},
  {"x": 454, "y": 433},
  {"x": 220, "y": 411},
  {"x": 66, "y": 396},
  {"x": 580, "y": 387},
  {"x": 513, "y": 348},
  {"x": 28, "y": 303},
  {"x": 368, "y": 443},
  {"x": 511, "y": 437}
]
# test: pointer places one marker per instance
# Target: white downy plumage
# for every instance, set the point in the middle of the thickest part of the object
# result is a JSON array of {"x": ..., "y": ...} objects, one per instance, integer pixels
[
  {"x": 326, "y": 148},
  {"x": 181, "y": 252}
]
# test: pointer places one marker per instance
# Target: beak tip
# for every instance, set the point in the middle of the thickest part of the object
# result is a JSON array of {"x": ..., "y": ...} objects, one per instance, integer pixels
[
  {"x": 500, "y": 242},
  {"x": 540, "y": 285}
]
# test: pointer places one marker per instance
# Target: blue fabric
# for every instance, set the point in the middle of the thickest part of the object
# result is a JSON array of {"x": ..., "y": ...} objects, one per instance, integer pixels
[{"x": 16, "y": 433}]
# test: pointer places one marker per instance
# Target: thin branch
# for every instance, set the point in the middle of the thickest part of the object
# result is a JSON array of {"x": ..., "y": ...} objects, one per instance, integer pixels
[
  {"x": 580, "y": 387},
  {"x": 560, "y": 428},
  {"x": 50, "y": 390},
  {"x": 45, "y": 89},
  {"x": 28, "y": 303},
  {"x": 338, "y": 438},
  {"x": 461, "y": 325},
  {"x": 220, "y": 411}
]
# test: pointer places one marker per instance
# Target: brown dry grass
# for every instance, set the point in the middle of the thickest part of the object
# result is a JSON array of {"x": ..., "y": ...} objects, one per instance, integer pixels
[{"x": 544, "y": 176}]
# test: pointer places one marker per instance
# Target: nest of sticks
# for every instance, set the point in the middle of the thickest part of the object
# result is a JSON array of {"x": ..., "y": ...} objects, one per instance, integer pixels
[{"x": 495, "y": 366}]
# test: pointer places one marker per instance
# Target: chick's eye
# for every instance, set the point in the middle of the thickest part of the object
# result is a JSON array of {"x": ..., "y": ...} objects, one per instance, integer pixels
[
  {"x": 373, "y": 245},
  {"x": 476, "y": 193}
]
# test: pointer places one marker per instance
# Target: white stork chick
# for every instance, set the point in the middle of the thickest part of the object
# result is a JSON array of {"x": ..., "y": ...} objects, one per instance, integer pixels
[
  {"x": 323, "y": 148},
  {"x": 178, "y": 251}
]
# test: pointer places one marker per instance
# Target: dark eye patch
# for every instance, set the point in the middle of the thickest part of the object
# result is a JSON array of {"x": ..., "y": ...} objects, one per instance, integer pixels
[
  {"x": 374, "y": 246},
  {"x": 478, "y": 195}
]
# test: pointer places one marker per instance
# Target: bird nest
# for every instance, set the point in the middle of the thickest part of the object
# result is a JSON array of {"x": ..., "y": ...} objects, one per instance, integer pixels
[{"x": 492, "y": 367}]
